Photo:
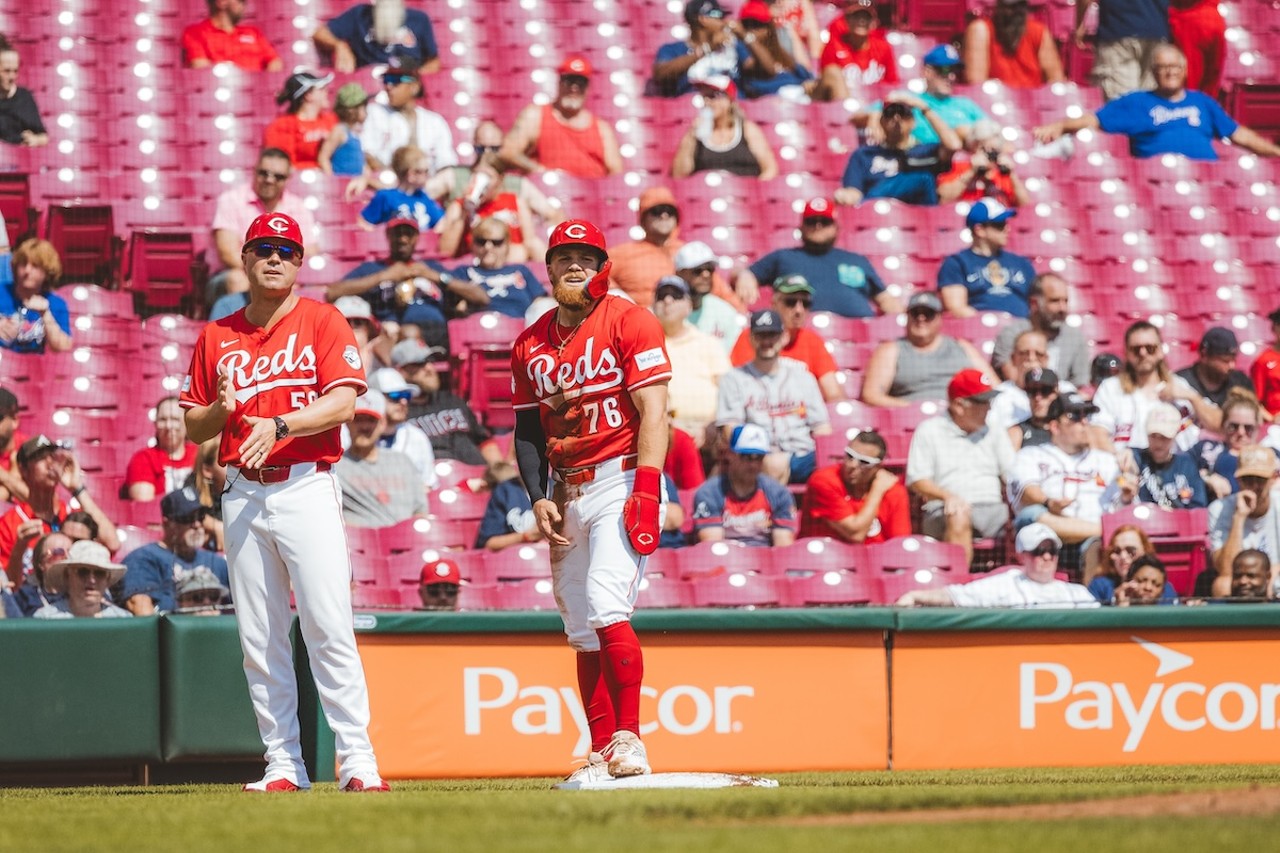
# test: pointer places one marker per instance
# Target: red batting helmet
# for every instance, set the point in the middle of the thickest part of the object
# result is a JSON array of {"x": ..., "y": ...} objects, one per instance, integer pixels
[
  {"x": 279, "y": 227},
  {"x": 577, "y": 232}
]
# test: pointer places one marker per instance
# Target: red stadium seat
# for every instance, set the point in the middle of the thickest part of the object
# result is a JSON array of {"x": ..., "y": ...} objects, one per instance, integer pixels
[
  {"x": 913, "y": 553},
  {"x": 738, "y": 590},
  {"x": 459, "y": 503},
  {"x": 519, "y": 563},
  {"x": 531, "y": 594},
  {"x": 15, "y": 206},
  {"x": 1180, "y": 537},
  {"x": 826, "y": 589},
  {"x": 658, "y": 591},
  {"x": 817, "y": 555},
  {"x": 86, "y": 242},
  {"x": 159, "y": 270},
  {"x": 894, "y": 585},
  {"x": 710, "y": 559}
]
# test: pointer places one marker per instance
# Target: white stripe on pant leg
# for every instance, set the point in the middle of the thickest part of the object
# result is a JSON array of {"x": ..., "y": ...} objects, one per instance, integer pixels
[
  {"x": 260, "y": 588},
  {"x": 306, "y": 518}
]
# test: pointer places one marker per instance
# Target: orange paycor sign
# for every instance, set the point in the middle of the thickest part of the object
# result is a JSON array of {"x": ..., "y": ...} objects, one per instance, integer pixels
[
  {"x": 508, "y": 705},
  {"x": 1103, "y": 697}
]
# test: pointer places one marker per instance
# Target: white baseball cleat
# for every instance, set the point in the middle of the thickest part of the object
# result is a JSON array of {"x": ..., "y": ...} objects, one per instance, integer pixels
[
  {"x": 627, "y": 756},
  {"x": 596, "y": 769}
]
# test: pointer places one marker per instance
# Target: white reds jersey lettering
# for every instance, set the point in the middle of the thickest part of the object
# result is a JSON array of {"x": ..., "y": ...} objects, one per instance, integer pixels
[
  {"x": 582, "y": 391},
  {"x": 304, "y": 356}
]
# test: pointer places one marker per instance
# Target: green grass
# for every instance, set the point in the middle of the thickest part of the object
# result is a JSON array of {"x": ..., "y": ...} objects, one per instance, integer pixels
[{"x": 524, "y": 815}]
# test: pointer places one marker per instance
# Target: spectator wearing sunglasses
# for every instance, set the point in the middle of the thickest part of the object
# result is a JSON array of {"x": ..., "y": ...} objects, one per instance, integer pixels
[
  {"x": 900, "y": 166},
  {"x": 1067, "y": 484},
  {"x": 377, "y": 33},
  {"x": 1013, "y": 404},
  {"x": 1159, "y": 474},
  {"x": 697, "y": 363},
  {"x": 844, "y": 282},
  {"x": 696, "y": 264},
  {"x": 857, "y": 499},
  {"x": 721, "y": 138},
  {"x": 1214, "y": 375},
  {"x": 152, "y": 572},
  {"x": 1242, "y": 424},
  {"x": 200, "y": 593},
  {"x": 449, "y": 185},
  {"x": 394, "y": 119},
  {"x": 234, "y": 212},
  {"x": 985, "y": 276},
  {"x": 84, "y": 576},
  {"x": 793, "y": 300},
  {"x": 396, "y": 434},
  {"x": 487, "y": 197},
  {"x": 1125, "y": 400},
  {"x": 1041, "y": 387},
  {"x": 511, "y": 287},
  {"x": 1031, "y": 585},
  {"x": 35, "y": 592},
  {"x": 942, "y": 67},
  {"x": 711, "y": 48}
]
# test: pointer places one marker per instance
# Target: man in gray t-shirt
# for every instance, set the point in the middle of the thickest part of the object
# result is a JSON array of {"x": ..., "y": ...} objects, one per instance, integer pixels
[
  {"x": 779, "y": 394},
  {"x": 1069, "y": 354},
  {"x": 380, "y": 487}
]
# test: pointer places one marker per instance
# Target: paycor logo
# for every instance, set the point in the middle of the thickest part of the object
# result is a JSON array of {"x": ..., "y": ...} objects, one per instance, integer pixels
[
  {"x": 683, "y": 709},
  {"x": 1046, "y": 689}
]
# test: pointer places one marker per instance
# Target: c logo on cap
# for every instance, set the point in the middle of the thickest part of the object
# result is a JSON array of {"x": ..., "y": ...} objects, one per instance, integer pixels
[
  {"x": 278, "y": 224},
  {"x": 577, "y": 231}
]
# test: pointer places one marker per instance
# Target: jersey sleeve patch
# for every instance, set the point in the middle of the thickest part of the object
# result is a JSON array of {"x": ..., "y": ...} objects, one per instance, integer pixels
[
  {"x": 351, "y": 356},
  {"x": 650, "y": 358}
]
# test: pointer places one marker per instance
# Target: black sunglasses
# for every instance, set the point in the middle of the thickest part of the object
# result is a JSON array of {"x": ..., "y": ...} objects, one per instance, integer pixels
[
  {"x": 189, "y": 518},
  {"x": 1042, "y": 391},
  {"x": 662, "y": 210},
  {"x": 266, "y": 250},
  {"x": 490, "y": 241},
  {"x": 793, "y": 301},
  {"x": 1045, "y": 551},
  {"x": 268, "y": 175}
]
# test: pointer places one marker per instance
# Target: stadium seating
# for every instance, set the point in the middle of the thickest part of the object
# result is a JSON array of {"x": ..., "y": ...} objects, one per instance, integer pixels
[{"x": 1179, "y": 536}]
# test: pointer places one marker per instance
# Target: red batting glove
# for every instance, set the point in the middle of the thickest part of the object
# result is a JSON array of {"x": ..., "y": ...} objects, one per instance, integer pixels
[
  {"x": 599, "y": 284},
  {"x": 640, "y": 512}
]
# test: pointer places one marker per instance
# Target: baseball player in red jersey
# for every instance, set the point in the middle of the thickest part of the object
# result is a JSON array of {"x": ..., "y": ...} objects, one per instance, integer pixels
[
  {"x": 278, "y": 379},
  {"x": 590, "y": 383}
]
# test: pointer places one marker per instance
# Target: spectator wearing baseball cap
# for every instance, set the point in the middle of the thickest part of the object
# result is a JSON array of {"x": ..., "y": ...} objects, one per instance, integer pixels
[
  {"x": 438, "y": 585},
  {"x": 1031, "y": 585},
  {"x": 1104, "y": 366},
  {"x": 11, "y": 438},
  {"x": 956, "y": 464},
  {"x": 1213, "y": 376},
  {"x": 306, "y": 122},
  {"x": 1250, "y": 518},
  {"x": 857, "y": 53},
  {"x": 984, "y": 276},
  {"x": 778, "y": 394},
  {"x": 1013, "y": 404},
  {"x": 341, "y": 153},
  {"x": 741, "y": 504},
  {"x": 84, "y": 577},
  {"x": 151, "y": 572},
  {"x": 397, "y": 434},
  {"x": 729, "y": 142},
  {"x": 778, "y": 65},
  {"x": 793, "y": 301},
  {"x": 447, "y": 419},
  {"x": 1265, "y": 372},
  {"x": 711, "y": 48},
  {"x": 919, "y": 365},
  {"x": 380, "y": 487},
  {"x": 989, "y": 54},
  {"x": 698, "y": 266},
  {"x": 638, "y": 264},
  {"x": 201, "y": 593},
  {"x": 1067, "y": 484},
  {"x": 400, "y": 34},
  {"x": 697, "y": 363},
  {"x": 844, "y": 282},
  {"x": 1160, "y": 474},
  {"x": 941, "y": 69},
  {"x": 1040, "y": 384},
  {"x": 899, "y": 166},
  {"x": 564, "y": 135}
]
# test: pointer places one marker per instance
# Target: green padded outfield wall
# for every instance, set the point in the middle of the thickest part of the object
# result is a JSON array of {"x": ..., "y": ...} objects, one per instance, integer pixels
[
  {"x": 80, "y": 690},
  {"x": 207, "y": 713}
]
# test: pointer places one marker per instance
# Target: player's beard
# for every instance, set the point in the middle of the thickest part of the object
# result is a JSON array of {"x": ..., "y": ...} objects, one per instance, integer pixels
[{"x": 575, "y": 298}]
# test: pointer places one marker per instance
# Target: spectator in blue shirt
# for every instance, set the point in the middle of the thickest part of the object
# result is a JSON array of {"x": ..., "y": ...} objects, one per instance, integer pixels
[
  {"x": 151, "y": 572},
  {"x": 372, "y": 33},
  {"x": 742, "y": 504},
  {"x": 711, "y": 49},
  {"x": 511, "y": 288},
  {"x": 1159, "y": 473},
  {"x": 941, "y": 68},
  {"x": 985, "y": 277},
  {"x": 32, "y": 317},
  {"x": 409, "y": 198},
  {"x": 1170, "y": 119},
  {"x": 900, "y": 167},
  {"x": 843, "y": 282}
]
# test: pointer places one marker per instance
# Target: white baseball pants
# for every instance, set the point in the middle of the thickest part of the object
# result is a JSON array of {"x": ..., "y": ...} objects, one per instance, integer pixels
[
  {"x": 596, "y": 578},
  {"x": 291, "y": 534}
]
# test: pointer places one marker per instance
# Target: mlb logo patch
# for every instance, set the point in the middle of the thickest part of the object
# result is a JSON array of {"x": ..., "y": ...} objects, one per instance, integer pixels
[{"x": 351, "y": 356}]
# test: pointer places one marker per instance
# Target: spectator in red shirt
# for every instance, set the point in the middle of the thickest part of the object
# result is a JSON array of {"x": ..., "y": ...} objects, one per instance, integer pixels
[
  {"x": 1199, "y": 30},
  {"x": 165, "y": 466},
  {"x": 1011, "y": 47},
  {"x": 222, "y": 38},
  {"x": 857, "y": 500},
  {"x": 11, "y": 485},
  {"x": 983, "y": 169},
  {"x": 792, "y": 299},
  {"x": 304, "y": 128},
  {"x": 856, "y": 54},
  {"x": 1265, "y": 371}
]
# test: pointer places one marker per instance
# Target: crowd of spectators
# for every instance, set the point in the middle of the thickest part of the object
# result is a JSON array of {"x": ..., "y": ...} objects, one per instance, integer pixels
[{"x": 1031, "y": 441}]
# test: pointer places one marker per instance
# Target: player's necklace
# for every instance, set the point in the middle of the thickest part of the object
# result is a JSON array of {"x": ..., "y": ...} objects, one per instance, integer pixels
[{"x": 563, "y": 340}]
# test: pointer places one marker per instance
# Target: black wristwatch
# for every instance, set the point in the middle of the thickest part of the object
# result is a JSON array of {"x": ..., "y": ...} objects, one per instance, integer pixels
[{"x": 282, "y": 428}]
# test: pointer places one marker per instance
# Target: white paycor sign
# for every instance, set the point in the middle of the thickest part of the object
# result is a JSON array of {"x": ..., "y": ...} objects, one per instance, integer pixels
[
  {"x": 540, "y": 709},
  {"x": 1229, "y": 706}
]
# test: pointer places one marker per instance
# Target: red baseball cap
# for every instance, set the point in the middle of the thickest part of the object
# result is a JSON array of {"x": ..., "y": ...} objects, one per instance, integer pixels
[
  {"x": 440, "y": 571},
  {"x": 819, "y": 208},
  {"x": 277, "y": 227},
  {"x": 971, "y": 384},
  {"x": 756, "y": 10},
  {"x": 402, "y": 220},
  {"x": 575, "y": 65},
  {"x": 576, "y": 232}
]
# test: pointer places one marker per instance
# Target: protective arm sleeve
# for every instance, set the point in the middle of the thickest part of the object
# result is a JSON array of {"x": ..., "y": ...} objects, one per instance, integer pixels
[{"x": 531, "y": 454}]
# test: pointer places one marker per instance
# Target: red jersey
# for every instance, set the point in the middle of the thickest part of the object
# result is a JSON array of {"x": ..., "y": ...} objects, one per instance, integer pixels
[
  {"x": 308, "y": 353},
  {"x": 580, "y": 380},
  {"x": 578, "y": 151},
  {"x": 874, "y": 63},
  {"x": 1265, "y": 374},
  {"x": 827, "y": 499},
  {"x": 9, "y": 461},
  {"x": 244, "y": 46},
  {"x": 503, "y": 207},
  {"x": 155, "y": 466},
  {"x": 21, "y": 511},
  {"x": 301, "y": 140}
]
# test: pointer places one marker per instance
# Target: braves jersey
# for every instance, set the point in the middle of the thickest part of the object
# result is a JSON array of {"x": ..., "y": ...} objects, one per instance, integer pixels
[
  {"x": 304, "y": 356},
  {"x": 580, "y": 380},
  {"x": 1088, "y": 479}
]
